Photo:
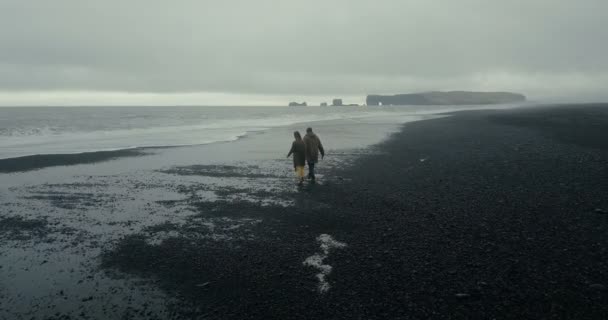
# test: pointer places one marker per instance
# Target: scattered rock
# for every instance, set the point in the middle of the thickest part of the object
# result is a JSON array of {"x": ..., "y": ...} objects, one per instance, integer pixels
[
  {"x": 462, "y": 295},
  {"x": 600, "y": 211},
  {"x": 202, "y": 285}
]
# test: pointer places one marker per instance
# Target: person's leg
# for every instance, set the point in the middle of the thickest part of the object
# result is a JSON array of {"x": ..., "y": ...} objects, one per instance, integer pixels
[
  {"x": 300, "y": 174},
  {"x": 308, "y": 163},
  {"x": 311, "y": 170}
]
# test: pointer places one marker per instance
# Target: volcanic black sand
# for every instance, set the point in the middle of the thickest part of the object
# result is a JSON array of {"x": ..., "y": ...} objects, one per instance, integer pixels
[{"x": 481, "y": 215}]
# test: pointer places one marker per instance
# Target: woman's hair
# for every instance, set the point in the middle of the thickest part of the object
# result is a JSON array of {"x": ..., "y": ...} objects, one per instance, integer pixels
[{"x": 297, "y": 135}]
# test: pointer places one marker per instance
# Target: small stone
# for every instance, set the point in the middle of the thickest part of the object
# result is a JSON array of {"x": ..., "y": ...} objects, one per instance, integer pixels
[
  {"x": 462, "y": 295},
  {"x": 600, "y": 211},
  {"x": 598, "y": 287},
  {"x": 202, "y": 285}
]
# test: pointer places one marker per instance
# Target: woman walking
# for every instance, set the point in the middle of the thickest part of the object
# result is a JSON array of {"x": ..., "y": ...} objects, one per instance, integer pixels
[{"x": 298, "y": 149}]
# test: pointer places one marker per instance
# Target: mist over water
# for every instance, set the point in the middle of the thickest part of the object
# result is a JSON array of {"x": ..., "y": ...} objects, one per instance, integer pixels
[{"x": 56, "y": 130}]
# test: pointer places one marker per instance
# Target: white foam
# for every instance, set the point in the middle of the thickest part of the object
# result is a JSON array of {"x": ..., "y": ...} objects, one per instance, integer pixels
[
  {"x": 69, "y": 133},
  {"x": 63, "y": 138},
  {"x": 327, "y": 243}
]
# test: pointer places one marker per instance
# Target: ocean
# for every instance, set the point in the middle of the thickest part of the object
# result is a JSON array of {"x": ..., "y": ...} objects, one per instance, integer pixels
[{"x": 68, "y": 130}]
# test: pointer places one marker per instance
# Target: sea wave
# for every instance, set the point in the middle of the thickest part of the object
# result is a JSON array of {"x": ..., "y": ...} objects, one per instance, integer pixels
[
  {"x": 50, "y": 140},
  {"x": 129, "y": 130}
]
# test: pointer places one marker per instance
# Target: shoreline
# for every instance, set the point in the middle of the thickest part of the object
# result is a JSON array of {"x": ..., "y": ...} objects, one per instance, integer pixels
[
  {"x": 18, "y": 162},
  {"x": 40, "y": 161},
  {"x": 484, "y": 214}
]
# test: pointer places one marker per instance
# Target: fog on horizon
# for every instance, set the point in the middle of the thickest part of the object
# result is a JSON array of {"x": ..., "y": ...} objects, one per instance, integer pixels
[{"x": 71, "y": 52}]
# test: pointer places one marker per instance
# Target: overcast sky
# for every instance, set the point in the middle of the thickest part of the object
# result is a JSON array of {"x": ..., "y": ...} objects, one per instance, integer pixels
[{"x": 275, "y": 51}]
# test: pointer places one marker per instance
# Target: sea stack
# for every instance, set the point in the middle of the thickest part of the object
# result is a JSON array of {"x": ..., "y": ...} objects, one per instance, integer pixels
[{"x": 446, "y": 98}]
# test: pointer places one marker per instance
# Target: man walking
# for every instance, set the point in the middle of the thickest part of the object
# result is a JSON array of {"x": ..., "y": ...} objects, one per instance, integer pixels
[{"x": 313, "y": 147}]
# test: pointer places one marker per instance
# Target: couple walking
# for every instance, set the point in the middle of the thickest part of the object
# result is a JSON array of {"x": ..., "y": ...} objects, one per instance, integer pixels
[{"x": 304, "y": 151}]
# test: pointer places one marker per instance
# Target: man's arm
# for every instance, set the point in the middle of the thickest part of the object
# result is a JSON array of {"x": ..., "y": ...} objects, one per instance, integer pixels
[{"x": 321, "y": 149}]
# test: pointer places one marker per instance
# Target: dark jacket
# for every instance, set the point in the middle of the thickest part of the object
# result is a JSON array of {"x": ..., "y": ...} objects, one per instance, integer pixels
[
  {"x": 299, "y": 153},
  {"x": 313, "y": 147}
]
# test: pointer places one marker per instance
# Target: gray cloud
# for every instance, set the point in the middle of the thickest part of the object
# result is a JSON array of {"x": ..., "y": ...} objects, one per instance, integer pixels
[{"x": 546, "y": 48}]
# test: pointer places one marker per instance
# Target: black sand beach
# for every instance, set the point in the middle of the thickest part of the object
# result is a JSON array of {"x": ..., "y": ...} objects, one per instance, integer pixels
[{"x": 480, "y": 215}]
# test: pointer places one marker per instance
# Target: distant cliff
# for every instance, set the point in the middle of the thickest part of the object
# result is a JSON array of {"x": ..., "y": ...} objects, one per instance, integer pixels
[
  {"x": 446, "y": 98},
  {"x": 295, "y": 104}
]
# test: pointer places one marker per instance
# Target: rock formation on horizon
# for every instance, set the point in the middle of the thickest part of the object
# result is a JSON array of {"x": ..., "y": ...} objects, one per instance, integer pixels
[
  {"x": 445, "y": 98},
  {"x": 295, "y": 104}
]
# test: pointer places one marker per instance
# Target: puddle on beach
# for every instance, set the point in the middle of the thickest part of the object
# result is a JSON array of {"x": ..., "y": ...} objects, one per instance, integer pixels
[{"x": 55, "y": 235}]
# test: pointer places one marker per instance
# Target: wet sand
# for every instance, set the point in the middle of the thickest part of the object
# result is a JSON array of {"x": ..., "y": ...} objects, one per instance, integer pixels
[
  {"x": 484, "y": 214},
  {"x": 33, "y": 162}
]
